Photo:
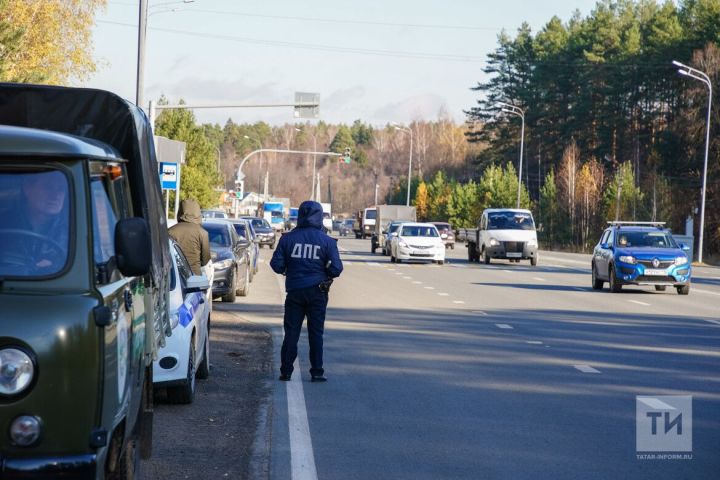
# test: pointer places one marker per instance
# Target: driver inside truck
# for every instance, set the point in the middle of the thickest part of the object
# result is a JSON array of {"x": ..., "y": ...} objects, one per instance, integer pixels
[{"x": 35, "y": 225}]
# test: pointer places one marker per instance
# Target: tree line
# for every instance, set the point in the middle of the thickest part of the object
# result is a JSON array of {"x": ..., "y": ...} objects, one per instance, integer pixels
[{"x": 612, "y": 130}]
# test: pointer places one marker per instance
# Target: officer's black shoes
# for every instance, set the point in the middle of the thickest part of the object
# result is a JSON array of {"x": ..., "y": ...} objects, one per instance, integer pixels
[
  {"x": 284, "y": 377},
  {"x": 318, "y": 378}
]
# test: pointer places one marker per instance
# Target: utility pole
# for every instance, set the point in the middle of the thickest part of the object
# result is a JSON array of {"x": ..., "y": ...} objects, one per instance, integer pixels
[{"x": 140, "y": 78}]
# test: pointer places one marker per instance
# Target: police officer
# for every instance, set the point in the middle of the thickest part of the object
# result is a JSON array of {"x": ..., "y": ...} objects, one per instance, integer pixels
[{"x": 310, "y": 261}]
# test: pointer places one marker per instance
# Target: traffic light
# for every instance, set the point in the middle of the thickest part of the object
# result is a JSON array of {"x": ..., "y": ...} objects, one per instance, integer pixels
[{"x": 347, "y": 156}]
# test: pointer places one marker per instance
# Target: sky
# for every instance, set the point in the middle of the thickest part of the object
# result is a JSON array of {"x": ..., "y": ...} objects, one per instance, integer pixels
[{"x": 380, "y": 61}]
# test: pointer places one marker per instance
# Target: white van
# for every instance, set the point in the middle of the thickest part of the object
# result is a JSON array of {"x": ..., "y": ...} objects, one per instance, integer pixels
[{"x": 507, "y": 233}]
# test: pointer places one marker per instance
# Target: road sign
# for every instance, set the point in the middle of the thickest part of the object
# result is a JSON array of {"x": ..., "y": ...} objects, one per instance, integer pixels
[
  {"x": 168, "y": 175},
  {"x": 308, "y": 112}
]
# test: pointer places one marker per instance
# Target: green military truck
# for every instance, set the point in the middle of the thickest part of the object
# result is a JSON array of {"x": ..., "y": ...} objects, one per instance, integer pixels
[{"x": 84, "y": 274}]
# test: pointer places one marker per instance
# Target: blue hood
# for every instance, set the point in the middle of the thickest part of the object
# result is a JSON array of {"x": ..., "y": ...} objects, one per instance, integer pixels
[
  {"x": 310, "y": 214},
  {"x": 647, "y": 253}
]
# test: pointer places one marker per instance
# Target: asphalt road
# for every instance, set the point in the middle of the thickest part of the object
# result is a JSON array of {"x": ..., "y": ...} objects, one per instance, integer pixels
[{"x": 468, "y": 371}]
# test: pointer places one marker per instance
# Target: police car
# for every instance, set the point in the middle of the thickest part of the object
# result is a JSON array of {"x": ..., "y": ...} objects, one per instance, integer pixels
[
  {"x": 640, "y": 253},
  {"x": 186, "y": 354}
]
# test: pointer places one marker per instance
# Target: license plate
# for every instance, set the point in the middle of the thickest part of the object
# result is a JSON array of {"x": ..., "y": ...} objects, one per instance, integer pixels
[
  {"x": 444, "y": 235},
  {"x": 514, "y": 255},
  {"x": 651, "y": 272}
]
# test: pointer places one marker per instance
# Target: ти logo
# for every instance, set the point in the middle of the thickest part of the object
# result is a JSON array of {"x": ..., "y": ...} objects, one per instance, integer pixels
[{"x": 663, "y": 423}]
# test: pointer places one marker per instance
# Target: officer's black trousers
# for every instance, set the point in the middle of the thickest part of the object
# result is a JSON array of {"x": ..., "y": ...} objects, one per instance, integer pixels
[{"x": 310, "y": 303}]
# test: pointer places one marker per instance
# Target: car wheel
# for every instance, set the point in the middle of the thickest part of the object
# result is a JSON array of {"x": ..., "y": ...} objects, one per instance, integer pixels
[
  {"x": 597, "y": 284},
  {"x": 683, "y": 290},
  {"x": 231, "y": 295},
  {"x": 392, "y": 258},
  {"x": 441, "y": 262},
  {"x": 615, "y": 285},
  {"x": 452, "y": 246},
  {"x": 660, "y": 288},
  {"x": 486, "y": 256},
  {"x": 397, "y": 260},
  {"x": 185, "y": 393},
  {"x": 203, "y": 370},
  {"x": 272, "y": 245},
  {"x": 245, "y": 289}
]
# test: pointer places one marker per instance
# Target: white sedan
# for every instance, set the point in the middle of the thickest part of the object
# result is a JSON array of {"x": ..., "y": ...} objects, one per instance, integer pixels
[
  {"x": 186, "y": 354},
  {"x": 417, "y": 241}
]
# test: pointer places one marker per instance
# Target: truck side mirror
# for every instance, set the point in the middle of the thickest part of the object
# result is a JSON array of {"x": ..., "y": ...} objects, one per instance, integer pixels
[{"x": 133, "y": 247}]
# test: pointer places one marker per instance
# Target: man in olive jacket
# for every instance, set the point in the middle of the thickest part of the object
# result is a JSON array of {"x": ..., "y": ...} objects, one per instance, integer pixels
[{"x": 192, "y": 238}]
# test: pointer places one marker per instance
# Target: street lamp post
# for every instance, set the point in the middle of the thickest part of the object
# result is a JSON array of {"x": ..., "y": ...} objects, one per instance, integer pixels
[
  {"x": 518, "y": 112},
  {"x": 407, "y": 130},
  {"x": 703, "y": 77}
]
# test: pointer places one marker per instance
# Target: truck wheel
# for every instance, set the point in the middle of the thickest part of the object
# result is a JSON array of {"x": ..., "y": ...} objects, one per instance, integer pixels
[
  {"x": 203, "y": 370},
  {"x": 486, "y": 256},
  {"x": 471, "y": 256},
  {"x": 615, "y": 286},
  {"x": 128, "y": 467},
  {"x": 533, "y": 261},
  {"x": 185, "y": 393},
  {"x": 659, "y": 288},
  {"x": 683, "y": 290}
]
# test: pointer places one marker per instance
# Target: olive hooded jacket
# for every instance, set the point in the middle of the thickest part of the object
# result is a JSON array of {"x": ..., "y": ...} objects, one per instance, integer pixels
[{"x": 192, "y": 238}]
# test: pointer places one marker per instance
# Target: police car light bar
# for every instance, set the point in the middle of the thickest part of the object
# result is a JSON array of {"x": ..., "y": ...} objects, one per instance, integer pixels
[{"x": 637, "y": 224}]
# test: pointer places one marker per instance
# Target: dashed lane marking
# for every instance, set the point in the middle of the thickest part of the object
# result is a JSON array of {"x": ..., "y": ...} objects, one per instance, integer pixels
[
  {"x": 417, "y": 283},
  {"x": 407, "y": 278},
  {"x": 458, "y": 301},
  {"x": 586, "y": 369},
  {"x": 508, "y": 271},
  {"x": 533, "y": 342},
  {"x": 504, "y": 326},
  {"x": 637, "y": 302},
  {"x": 429, "y": 288},
  {"x": 444, "y": 294},
  {"x": 539, "y": 279}
]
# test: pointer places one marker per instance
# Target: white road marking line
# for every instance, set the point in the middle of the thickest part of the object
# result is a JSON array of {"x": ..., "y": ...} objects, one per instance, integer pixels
[
  {"x": 458, "y": 301},
  {"x": 373, "y": 264},
  {"x": 457, "y": 265},
  {"x": 534, "y": 342},
  {"x": 444, "y": 294},
  {"x": 429, "y": 288},
  {"x": 586, "y": 369},
  {"x": 302, "y": 459},
  {"x": 391, "y": 269},
  {"x": 705, "y": 291},
  {"x": 479, "y": 312},
  {"x": 399, "y": 273},
  {"x": 539, "y": 279},
  {"x": 508, "y": 271},
  {"x": 655, "y": 403},
  {"x": 504, "y": 326},
  {"x": 417, "y": 283},
  {"x": 407, "y": 278},
  {"x": 639, "y": 303}
]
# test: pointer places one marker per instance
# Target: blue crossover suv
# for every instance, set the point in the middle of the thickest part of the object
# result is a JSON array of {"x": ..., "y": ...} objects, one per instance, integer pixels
[{"x": 640, "y": 253}]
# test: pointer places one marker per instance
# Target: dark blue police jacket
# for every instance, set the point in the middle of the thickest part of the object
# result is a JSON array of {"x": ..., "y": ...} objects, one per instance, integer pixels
[{"x": 306, "y": 255}]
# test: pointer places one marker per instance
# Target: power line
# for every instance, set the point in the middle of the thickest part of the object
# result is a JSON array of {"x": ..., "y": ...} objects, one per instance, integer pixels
[{"x": 316, "y": 47}]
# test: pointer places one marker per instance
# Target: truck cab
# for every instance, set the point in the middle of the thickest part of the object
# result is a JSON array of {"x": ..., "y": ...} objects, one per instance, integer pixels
[
  {"x": 83, "y": 284},
  {"x": 504, "y": 233}
]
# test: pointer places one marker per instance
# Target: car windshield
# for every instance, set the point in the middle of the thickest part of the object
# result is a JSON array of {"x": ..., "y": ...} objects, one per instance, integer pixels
[
  {"x": 326, "y": 215},
  {"x": 371, "y": 214},
  {"x": 394, "y": 227},
  {"x": 641, "y": 239},
  {"x": 419, "y": 231},
  {"x": 34, "y": 222},
  {"x": 219, "y": 235},
  {"x": 259, "y": 223},
  {"x": 510, "y": 221}
]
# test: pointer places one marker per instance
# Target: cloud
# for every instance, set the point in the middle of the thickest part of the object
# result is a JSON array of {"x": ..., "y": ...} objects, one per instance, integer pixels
[
  {"x": 426, "y": 107},
  {"x": 343, "y": 97}
]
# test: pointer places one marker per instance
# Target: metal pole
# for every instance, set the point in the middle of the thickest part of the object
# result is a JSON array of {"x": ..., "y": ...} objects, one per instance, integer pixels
[
  {"x": 142, "y": 30},
  {"x": 522, "y": 141},
  {"x": 312, "y": 196},
  {"x": 704, "y": 184},
  {"x": 407, "y": 203}
]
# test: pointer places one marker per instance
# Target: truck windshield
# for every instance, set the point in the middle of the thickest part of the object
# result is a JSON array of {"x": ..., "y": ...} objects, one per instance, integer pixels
[
  {"x": 417, "y": 231},
  {"x": 510, "y": 221},
  {"x": 34, "y": 222},
  {"x": 370, "y": 214}
]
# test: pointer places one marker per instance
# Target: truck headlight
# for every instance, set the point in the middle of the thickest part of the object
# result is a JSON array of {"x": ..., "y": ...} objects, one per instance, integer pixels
[
  {"x": 681, "y": 260},
  {"x": 627, "y": 259},
  {"x": 16, "y": 371},
  {"x": 222, "y": 264},
  {"x": 532, "y": 242},
  {"x": 493, "y": 242},
  {"x": 25, "y": 431}
]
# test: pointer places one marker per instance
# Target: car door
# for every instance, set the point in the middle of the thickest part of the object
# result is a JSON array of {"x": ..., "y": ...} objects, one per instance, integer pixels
[
  {"x": 605, "y": 253},
  {"x": 196, "y": 302}
]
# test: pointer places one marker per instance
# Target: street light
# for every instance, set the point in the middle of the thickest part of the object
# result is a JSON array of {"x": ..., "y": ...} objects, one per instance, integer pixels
[
  {"x": 142, "y": 33},
  {"x": 518, "y": 112},
  {"x": 240, "y": 175},
  {"x": 407, "y": 130},
  {"x": 703, "y": 77}
]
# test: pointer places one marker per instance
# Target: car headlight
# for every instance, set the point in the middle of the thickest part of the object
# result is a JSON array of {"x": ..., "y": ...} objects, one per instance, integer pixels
[
  {"x": 367, "y": 227},
  {"x": 16, "y": 371},
  {"x": 681, "y": 260},
  {"x": 223, "y": 264},
  {"x": 403, "y": 244},
  {"x": 627, "y": 259},
  {"x": 493, "y": 242},
  {"x": 532, "y": 242}
]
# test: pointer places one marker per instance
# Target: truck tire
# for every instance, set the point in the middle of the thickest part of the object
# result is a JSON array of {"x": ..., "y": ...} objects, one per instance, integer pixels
[
  {"x": 683, "y": 290},
  {"x": 533, "y": 261},
  {"x": 128, "y": 467},
  {"x": 145, "y": 419},
  {"x": 486, "y": 256}
]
